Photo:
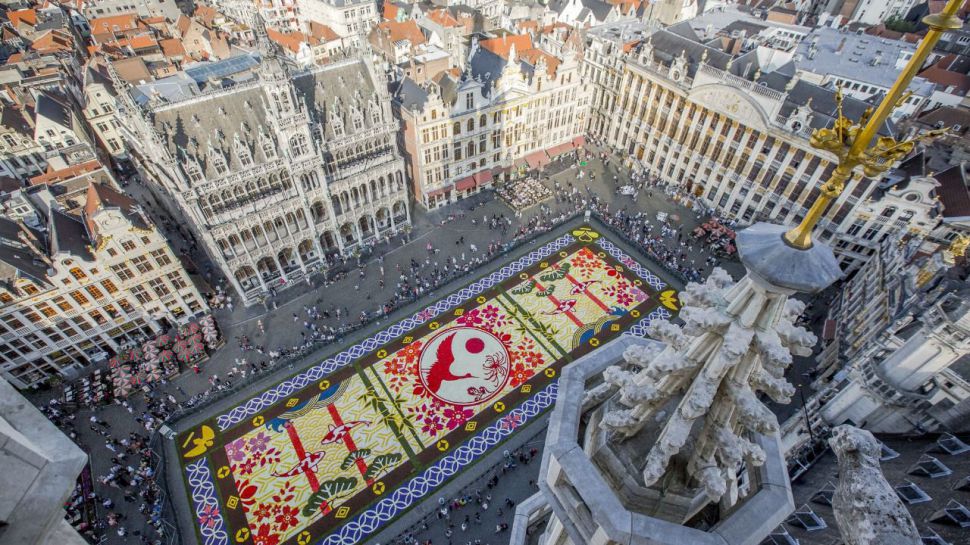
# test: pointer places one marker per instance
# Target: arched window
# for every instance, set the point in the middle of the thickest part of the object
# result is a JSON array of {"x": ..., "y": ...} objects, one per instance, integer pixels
[
  {"x": 482, "y": 120},
  {"x": 298, "y": 145},
  {"x": 889, "y": 212},
  {"x": 471, "y": 124},
  {"x": 457, "y": 129}
]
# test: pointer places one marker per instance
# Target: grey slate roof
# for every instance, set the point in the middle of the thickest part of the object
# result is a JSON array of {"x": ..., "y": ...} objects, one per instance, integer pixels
[
  {"x": 410, "y": 95},
  {"x": 67, "y": 234},
  {"x": 190, "y": 130},
  {"x": 851, "y": 56},
  {"x": 49, "y": 107}
]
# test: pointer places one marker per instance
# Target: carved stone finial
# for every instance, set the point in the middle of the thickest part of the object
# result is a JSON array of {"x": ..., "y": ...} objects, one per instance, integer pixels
[
  {"x": 867, "y": 509},
  {"x": 736, "y": 343}
]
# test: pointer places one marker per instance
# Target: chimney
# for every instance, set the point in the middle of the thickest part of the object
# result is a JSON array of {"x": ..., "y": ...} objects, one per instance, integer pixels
[
  {"x": 877, "y": 59},
  {"x": 838, "y": 50}
]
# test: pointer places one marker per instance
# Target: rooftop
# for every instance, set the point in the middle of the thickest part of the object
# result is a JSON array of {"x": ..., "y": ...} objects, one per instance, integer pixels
[{"x": 858, "y": 57}]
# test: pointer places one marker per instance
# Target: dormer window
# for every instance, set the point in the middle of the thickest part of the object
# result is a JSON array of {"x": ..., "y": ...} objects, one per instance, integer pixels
[
  {"x": 219, "y": 164},
  {"x": 195, "y": 175},
  {"x": 245, "y": 159},
  {"x": 358, "y": 123},
  {"x": 268, "y": 149},
  {"x": 375, "y": 116}
]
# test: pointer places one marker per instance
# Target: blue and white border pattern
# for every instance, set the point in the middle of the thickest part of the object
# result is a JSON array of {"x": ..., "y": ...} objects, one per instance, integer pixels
[
  {"x": 204, "y": 495},
  {"x": 431, "y": 478},
  {"x": 328, "y": 366}
]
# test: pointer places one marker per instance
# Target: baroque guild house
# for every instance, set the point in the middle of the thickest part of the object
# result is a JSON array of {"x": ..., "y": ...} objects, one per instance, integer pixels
[{"x": 272, "y": 174}]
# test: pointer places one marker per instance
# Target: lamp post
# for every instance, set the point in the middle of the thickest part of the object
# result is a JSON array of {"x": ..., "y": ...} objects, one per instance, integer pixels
[{"x": 851, "y": 141}]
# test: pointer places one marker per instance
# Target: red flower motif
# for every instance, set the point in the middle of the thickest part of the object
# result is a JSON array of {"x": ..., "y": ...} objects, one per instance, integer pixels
[
  {"x": 519, "y": 375},
  {"x": 457, "y": 416},
  {"x": 287, "y": 518},
  {"x": 532, "y": 359},
  {"x": 246, "y": 468},
  {"x": 264, "y": 537},
  {"x": 263, "y": 511},
  {"x": 411, "y": 352},
  {"x": 394, "y": 366},
  {"x": 209, "y": 516}
]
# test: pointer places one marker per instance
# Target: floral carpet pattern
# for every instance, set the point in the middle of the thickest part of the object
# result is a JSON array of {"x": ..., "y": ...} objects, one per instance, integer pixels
[{"x": 312, "y": 460}]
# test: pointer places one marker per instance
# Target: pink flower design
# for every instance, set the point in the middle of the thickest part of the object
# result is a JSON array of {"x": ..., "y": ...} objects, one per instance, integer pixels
[
  {"x": 639, "y": 295},
  {"x": 624, "y": 298},
  {"x": 259, "y": 443},
  {"x": 432, "y": 424},
  {"x": 235, "y": 450},
  {"x": 457, "y": 416},
  {"x": 472, "y": 317},
  {"x": 209, "y": 516},
  {"x": 511, "y": 421}
]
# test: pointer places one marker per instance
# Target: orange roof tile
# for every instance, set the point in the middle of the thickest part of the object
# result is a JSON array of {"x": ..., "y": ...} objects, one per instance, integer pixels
[
  {"x": 125, "y": 21},
  {"x": 323, "y": 32},
  {"x": 532, "y": 56},
  {"x": 172, "y": 47},
  {"x": 26, "y": 16},
  {"x": 54, "y": 176},
  {"x": 290, "y": 40},
  {"x": 390, "y": 10},
  {"x": 443, "y": 17},
  {"x": 53, "y": 41},
  {"x": 501, "y": 46},
  {"x": 407, "y": 30}
]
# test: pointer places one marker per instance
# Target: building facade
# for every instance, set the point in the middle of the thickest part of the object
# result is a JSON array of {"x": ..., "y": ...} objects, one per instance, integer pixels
[
  {"x": 89, "y": 282},
  {"x": 711, "y": 122},
  {"x": 513, "y": 104},
  {"x": 272, "y": 174},
  {"x": 351, "y": 19}
]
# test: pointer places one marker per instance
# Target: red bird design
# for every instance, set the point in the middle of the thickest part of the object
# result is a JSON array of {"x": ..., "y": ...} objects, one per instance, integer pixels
[
  {"x": 337, "y": 433},
  {"x": 440, "y": 370},
  {"x": 582, "y": 286},
  {"x": 563, "y": 306}
]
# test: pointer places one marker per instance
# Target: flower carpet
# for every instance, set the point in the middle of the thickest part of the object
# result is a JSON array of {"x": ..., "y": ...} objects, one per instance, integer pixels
[{"x": 330, "y": 455}]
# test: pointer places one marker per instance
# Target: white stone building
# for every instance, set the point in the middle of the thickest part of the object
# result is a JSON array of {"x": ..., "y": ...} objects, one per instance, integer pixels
[
  {"x": 693, "y": 115},
  {"x": 514, "y": 106},
  {"x": 21, "y": 157},
  {"x": 88, "y": 282},
  {"x": 273, "y": 173},
  {"x": 351, "y": 19},
  {"x": 100, "y": 113}
]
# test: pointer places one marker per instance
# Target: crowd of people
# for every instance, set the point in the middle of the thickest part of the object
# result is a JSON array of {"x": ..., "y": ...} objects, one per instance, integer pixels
[
  {"x": 130, "y": 477},
  {"x": 464, "y": 519},
  {"x": 523, "y": 193}
]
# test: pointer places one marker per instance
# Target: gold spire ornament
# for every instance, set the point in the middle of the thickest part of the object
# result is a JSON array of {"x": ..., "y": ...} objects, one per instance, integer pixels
[{"x": 852, "y": 141}]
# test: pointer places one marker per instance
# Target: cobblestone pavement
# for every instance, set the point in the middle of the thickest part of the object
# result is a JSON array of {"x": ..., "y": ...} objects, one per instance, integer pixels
[{"x": 354, "y": 295}]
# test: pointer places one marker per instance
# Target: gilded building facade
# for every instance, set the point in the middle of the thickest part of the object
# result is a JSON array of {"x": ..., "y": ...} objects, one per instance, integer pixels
[{"x": 515, "y": 106}]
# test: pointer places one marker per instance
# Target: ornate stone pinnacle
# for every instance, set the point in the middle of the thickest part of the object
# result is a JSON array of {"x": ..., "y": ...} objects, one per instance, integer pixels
[{"x": 737, "y": 340}]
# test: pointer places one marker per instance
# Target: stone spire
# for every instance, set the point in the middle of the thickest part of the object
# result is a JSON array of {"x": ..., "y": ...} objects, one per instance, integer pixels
[{"x": 737, "y": 340}]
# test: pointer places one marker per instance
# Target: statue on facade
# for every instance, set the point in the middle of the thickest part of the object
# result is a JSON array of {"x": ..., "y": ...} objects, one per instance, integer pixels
[{"x": 867, "y": 509}]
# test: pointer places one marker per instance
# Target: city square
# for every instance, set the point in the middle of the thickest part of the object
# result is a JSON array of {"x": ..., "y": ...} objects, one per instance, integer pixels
[
  {"x": 409, "y": 272},
  {"x": 405, "y": 419}
]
